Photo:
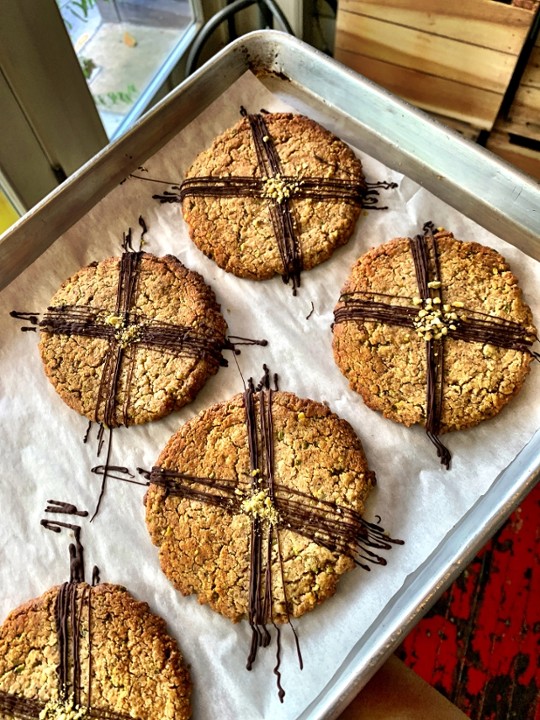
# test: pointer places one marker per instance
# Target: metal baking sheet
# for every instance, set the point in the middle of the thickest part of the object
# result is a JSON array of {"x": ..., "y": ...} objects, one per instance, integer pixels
[{"x": 468, "y": 178}]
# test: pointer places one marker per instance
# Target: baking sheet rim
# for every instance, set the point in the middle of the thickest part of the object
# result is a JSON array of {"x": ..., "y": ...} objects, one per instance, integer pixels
[
  {"x": 417, "y": 593},
  {"x": 500, "y": 501}
]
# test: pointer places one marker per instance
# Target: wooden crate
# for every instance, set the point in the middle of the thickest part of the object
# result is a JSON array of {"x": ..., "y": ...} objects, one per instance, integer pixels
[
  {"x": 516, "y": 136},
  {"x": 454, "y": 59},
  {"x": 524, "y": 157},
  {"x": 523, "y": 116}
]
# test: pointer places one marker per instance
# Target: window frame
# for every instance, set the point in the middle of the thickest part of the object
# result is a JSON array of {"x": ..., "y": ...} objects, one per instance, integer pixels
[{"x": 49, "y": 120}]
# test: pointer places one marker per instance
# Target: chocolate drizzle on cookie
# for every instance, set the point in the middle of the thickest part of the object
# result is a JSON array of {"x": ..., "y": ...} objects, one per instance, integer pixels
[
  {"x": 125, "y": 331},
  {"x": 72, "y": 605},
  {"x": 272, "y": 507},
  {"x": 338, "y": 529},
  {"x": 362, "y": 306},
  {"x": 435, "y": 321},
  {"x": 263, "y": 509},
  {"x": 20, "y": 707},
  {"x": 426, "y": 265},
  {"x": 279, "y": 190},
  {"x": 67, "y": 612}
]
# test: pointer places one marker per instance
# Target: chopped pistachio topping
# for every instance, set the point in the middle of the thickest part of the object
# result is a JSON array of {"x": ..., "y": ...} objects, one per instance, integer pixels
[
  {"x": 276, "y": 188},
  {"x": 434, "y": 322},
  {"x": 124, "y": 334},
  {"x": 116, "y": 321},
  {"x": 62, "y": 710},
  {"x": 260, "y": 505},
  {"x": 127, "y": 335}
]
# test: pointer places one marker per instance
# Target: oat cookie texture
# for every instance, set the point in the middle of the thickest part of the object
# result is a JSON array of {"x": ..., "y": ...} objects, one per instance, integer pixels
[
  {"x": 273, "y": 195},
  {"x": 130, "y": 339},
  {"x": 81, "y": 651},
  {"x": 433, "y": 330},
  {"x": 256, "y": 506}
]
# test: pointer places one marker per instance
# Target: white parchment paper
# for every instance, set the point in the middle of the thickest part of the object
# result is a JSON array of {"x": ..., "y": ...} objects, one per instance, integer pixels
[{"x": 44, "y": 457}]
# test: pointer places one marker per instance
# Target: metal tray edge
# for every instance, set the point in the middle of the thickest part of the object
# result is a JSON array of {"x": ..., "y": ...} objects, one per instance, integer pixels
[
  {"x": 466, "y": 176},
  {"x": 503, "y": 200},
  {"x": 441, "y": 568},
  {"x": 460, "y": 172}
]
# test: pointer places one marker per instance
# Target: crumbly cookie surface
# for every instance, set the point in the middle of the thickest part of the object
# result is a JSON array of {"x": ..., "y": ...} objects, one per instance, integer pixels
[
  {"x": 238, "y": 232},
  {"x": 129, "y": 667},
  {"x": 386, "y": 363},
  {"x": 130, "y": 339},
  {"x": 319, "y": 468}
]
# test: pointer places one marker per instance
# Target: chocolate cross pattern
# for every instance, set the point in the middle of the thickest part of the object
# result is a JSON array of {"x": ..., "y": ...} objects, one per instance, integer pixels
[
  {"x": 457, "y": 322},
  {"x": 278, "y": 190},
  {"x": 68, "y": 616},
  {"x": 125, "y": 331},
  {"x": 339, "y": 529}
]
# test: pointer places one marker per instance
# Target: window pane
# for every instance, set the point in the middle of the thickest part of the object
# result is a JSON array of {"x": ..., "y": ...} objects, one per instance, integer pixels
[{"x": 126, "y": 49}]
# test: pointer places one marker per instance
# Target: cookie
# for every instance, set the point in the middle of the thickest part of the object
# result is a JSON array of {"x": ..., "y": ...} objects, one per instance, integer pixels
[
  {"x": 433, "y": 330},
  {"x": 256, "y": 506},
  {"x": 130, "y": 339},
  {"x": 81, "y": 651},
  {"x": 274, "y": 195}
]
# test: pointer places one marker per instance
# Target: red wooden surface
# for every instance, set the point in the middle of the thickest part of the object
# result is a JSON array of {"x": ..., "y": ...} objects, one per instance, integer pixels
[{"x": 479, "y": 645}]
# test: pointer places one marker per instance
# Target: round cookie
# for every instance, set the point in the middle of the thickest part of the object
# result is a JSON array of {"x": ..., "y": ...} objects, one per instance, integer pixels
[
  {"x": 130, "y": 339},
  {"x": 81, "y": 651},
  {"x": 275, "y": 194},
  {"x": 433, "y": 330},
  {"x": 264, "y": 475}
]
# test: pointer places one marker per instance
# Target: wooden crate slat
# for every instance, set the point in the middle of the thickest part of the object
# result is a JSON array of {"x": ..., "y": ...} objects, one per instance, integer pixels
[
  {"x": 476, "y": 106},
  {"x": 443, "y": 57},
  {"x": 523, "y": 158},
  {"x": 455, "y": 60},
  {"x": 479, "y": 22},
  {"x": 524, "y": 115},
  {"x": 465, "y": 129},
  {"x": 525, "y": 109},
  {"x": 531, "y": 76}
]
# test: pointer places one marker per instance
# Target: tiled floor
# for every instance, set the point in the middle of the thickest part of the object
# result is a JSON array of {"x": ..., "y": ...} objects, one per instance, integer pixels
[
  {"x": 126, "y": 58},
  {"x": 122, "y": 45}
]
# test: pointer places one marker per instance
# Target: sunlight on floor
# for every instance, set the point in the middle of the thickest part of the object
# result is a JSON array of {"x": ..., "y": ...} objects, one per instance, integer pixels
[{"x": 124, "y": 58}]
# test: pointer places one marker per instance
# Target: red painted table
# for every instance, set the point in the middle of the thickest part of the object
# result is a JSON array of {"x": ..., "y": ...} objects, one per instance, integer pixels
[{"x": 479, "y": 645}]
